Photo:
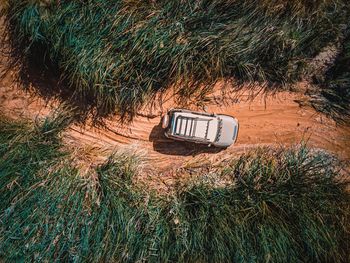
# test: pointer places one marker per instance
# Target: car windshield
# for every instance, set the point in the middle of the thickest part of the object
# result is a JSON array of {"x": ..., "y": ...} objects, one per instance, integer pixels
[{"x": 218, "y": 135}]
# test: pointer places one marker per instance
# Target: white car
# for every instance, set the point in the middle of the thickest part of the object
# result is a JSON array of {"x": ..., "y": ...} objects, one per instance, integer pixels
[{"x": 211, "y": 129}]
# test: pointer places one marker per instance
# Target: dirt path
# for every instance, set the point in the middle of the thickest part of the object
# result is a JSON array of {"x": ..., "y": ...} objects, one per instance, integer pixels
[
  {"x": 272, "y": 120},
  {"x": 275, "y": 119}
]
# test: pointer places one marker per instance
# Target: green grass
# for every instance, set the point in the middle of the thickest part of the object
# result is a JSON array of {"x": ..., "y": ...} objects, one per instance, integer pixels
[
  {"x": 49, "y": 210},
  {"x": 333, "y": 97},
  {"x": 282, "y": 205},
  {"x": 279, "y": 208},
  {"x": 114, "y": 55}
]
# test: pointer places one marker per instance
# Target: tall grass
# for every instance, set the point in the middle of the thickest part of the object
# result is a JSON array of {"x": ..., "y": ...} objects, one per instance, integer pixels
[
  {"x": 50, "y": 211},
  {"x": 276, "y": 205},
  {"x": 114, "y": 55},
  {"x": 279, "y": 208},
  {"x": 333, "y": 97}
]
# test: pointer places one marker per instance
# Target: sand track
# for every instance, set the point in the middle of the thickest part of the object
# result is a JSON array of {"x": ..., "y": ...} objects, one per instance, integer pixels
[{"x": 267, "y": 120}]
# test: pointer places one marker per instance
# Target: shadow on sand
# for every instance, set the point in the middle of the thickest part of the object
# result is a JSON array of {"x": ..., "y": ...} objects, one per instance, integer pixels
[{"x": 167, "y": 146}]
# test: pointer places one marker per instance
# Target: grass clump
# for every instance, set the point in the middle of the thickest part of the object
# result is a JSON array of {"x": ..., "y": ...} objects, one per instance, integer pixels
[
  {"x": 114, "y": 55},
  {"x": 276, "y": 205},
  {"x": 49, "y": 210},
  {"x": 282, "y": 206},
  {"x": 333, "y": 97}
]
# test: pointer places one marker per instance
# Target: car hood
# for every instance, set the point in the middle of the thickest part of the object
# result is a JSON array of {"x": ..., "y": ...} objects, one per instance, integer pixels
[{"x": 228, "y": 131}]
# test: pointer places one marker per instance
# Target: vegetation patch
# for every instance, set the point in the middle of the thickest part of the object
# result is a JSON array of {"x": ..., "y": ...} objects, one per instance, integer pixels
[
  {"x": 114, "y": 55},
  {"x": 333, "y": 96},
  {"x": 284, "y": 205}
]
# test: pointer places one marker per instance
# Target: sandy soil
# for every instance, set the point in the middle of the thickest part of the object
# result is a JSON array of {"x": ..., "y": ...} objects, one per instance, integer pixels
[{"x": 273, "y": 119}]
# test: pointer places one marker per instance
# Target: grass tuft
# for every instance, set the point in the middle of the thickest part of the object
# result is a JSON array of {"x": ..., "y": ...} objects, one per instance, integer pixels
[
  {"x": 282, "y": 206},
  {"x": 333, "y": 96}
]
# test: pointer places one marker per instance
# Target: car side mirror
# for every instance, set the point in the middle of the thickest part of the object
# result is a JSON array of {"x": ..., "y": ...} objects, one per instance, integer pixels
[{"x": 165, "y": 121}]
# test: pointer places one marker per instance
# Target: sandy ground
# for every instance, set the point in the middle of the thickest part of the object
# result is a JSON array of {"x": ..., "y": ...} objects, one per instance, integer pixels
[{"x": 273, "y": 119}]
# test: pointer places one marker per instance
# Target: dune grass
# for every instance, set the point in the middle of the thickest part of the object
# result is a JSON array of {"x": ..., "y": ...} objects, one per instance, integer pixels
[
  {"x": 282, "y": 205},
  {"x": 114, "y": 55},
  {"x": 333, "y": 96},
  {"x": 278, "y": 209},
  {"x": 50, "y": 211}
]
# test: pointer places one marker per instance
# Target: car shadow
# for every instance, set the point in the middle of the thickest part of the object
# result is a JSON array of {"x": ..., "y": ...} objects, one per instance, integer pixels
[{"x": 164, "y": 145}]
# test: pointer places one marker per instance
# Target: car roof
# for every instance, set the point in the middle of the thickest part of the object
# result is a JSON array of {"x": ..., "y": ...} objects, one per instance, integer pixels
[{"x": 192, "y": 126}]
